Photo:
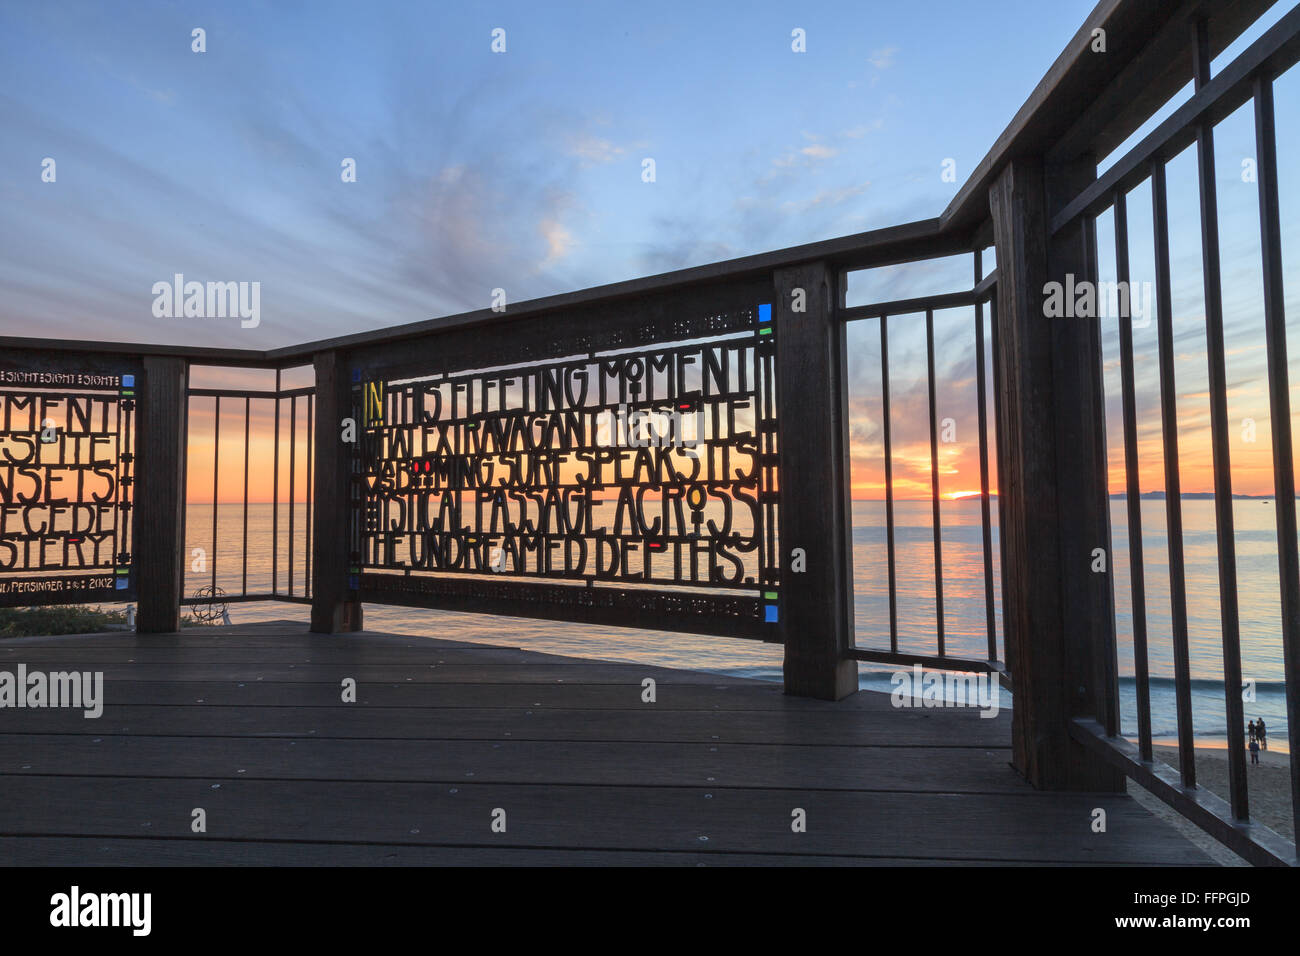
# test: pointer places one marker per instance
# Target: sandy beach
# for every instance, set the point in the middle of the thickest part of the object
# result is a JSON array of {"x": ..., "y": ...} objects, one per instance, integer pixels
[{"x": 1269, "y": 780}]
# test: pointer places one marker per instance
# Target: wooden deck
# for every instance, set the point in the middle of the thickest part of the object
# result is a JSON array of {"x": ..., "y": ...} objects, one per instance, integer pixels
[{"x": 247, "y": 723}]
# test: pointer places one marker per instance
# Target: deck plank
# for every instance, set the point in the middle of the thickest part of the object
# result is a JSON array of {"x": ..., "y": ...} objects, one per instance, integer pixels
[
  {"x": 641, "y": 763},
  {"x": 79, "y": 852},
  {"x": 529, "y": 721},
  {"x": 766, "y": 695},
  {"x": 1026, "y": 826},
  {"x": 248, "y": 723},
  {"x": 417, "y": 671}
]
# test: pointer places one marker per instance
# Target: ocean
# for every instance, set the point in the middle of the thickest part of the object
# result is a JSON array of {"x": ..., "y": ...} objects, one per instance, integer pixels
[{"x": 963, "y": 594}]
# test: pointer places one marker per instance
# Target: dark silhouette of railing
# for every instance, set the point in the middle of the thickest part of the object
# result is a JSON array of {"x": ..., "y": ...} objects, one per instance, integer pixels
[
  {"x": 1248, "y": 78},
  {"x": 287, "y": 406},
  {"x": 782, "y": 316},
  {"x": 981, "y": 293}
]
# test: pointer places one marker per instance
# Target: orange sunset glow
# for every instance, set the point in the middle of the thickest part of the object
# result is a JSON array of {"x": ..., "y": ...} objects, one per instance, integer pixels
[{"x": 958, "y": 462}]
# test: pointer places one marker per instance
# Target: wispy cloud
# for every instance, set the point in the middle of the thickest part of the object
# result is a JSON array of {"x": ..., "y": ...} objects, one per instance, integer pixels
[
  {"x": 883, "y": 59},
  {"x": 827, "y": 197},
  {"x": 559, "y": 241},
  {"x": 165, "y": 97},
  {"x": 862, "y": 129},
  {"x": 819, "y": 151},
  {"x": 804, "y": 156},
  {"x": 594, "y": 151}
]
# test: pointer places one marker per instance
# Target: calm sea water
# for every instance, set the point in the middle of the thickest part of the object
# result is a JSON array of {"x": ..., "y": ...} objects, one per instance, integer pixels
[{"x": 963, "y": 596}]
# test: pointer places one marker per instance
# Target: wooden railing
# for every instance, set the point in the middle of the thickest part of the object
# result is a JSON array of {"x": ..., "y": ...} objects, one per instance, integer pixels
[
  {"x": 1249, "y": 78},
  {"x": 282, "y": 568},
  {"x": 977, "y": 298},
  {"x": 414, "y": 417}
]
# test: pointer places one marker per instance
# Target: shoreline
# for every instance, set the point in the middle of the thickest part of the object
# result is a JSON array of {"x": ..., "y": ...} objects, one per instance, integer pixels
[
  {"x": 1268, "y": 782},
  {"x": 1219, "y": 744}
]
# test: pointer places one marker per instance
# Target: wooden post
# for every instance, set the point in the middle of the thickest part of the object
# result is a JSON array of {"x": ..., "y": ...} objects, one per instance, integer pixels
[
  {"x": 1058, "y": 614},
  {"x": 812, "y": 410},
  {"x": 1087, "y": 594},
  {"x": 334, "y": 608},
  {"x": 160, "y": 495}
]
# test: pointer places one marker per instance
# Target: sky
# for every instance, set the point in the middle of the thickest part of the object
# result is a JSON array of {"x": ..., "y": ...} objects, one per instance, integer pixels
[{"x": 522, "y": 170}]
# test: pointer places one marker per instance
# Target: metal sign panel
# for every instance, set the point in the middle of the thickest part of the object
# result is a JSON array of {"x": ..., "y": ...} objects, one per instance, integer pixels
[
  {"x": 66, "y": 479},
  {"x": 634, "y": 487}
]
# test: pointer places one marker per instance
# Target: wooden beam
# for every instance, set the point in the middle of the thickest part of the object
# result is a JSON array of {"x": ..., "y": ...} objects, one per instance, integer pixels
[
  {"x": 133, "y": 350},
  {"x": 1052, "y": 483},
  {"x": 812, "y": 403},
  {"x": 1256, "y": 843},
  {"x": 1087, "y": 595},
  {"x": 916, "y": 306},
  {"x": 1026, "y": 476},
  {"x": 1272, "y": 54},
  {"x": 160, "y": 495},
  {"x": 984, "y": 285},
  {"x": 1140, "y": 85},
  {"x": 334, "y": 606},
  {"x": 931, "y": 661},
  {"x": 1061, "y": 105}
]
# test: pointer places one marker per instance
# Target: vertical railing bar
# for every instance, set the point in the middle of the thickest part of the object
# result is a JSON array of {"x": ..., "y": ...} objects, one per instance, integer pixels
[
  {"x": 1133, "y": 490},
  {"x": 774, "y": 438},
  {"x": 1109, "y": 673},
  {"x": 1201, "y": 59},
  {"x": 275, "y": 493},
  {"x": 985, "y": 518},
  {"x": 306, "y": 577},
  {"x": 1270, "y": 234},
  {"x": 119, "y": 544},
  {"x": 293, "y": 447},
  {"x": 760, "y": 368},
  {"x": 1173, "y": 483},
  {"x": 889, "y": 483},
  {"x": 216, "y": 473},
  {"x": 128, "y": 529},
  {"x": 248, "y": 404},
  {"x": 766, "y": 364},
  {"x": 185, "y": 481},
  {"x": 934, "y": 481},
  {"x": 1224, "y": 525},
  {"x": 997, "y": 439}
]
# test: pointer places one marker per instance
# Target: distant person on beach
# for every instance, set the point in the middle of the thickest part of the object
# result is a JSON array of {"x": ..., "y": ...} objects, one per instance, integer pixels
[
  {"x": 1250, "y": 729},
  {"x": 1261, "y": 733},
  {"x": 1254, "y": 750}
]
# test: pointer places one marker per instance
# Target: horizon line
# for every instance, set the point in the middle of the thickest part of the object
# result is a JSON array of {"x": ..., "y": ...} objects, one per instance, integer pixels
[{"x": 970, "y": 497}]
